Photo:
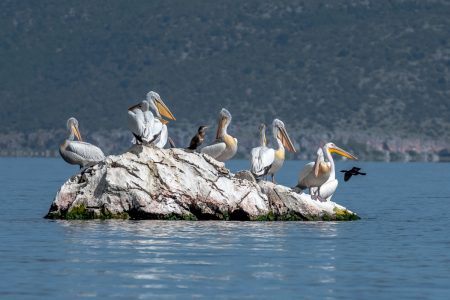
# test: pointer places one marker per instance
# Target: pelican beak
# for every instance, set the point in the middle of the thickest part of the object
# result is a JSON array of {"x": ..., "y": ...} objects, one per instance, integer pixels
[
  {"x": 163, "y": 121},
  {"x": 164, "y": 110},
  {"x": 285, "y": 140},
  {"x": 342, "y": 152},
  {"x": 133, "y": 106},
  {"x": 317, "y": 166},
  {"x": 76, "y": 132},
  {"x": 221, "y": 124}
]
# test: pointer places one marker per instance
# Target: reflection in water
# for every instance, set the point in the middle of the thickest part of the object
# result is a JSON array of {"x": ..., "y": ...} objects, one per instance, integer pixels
[{"x": 195, "y": 255}]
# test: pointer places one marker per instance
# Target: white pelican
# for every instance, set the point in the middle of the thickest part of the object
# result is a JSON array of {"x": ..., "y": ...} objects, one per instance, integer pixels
[
  {"x": 319, "y": 176},
  {"x": 79, "y": 152},
  {"x": 225, "y": 146},
  {"x": 144, "y": 126},
  {"x": 159, "y": 124},
  {"x": 140, "y": 121},
  {"x": 262, "y": 155},
  {"x": 272, "y": 160}
]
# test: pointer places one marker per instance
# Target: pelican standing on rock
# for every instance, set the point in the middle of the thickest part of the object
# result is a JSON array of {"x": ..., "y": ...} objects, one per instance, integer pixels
[
  {"x": 320, "y": 176},
  {"x": 225, "y": 146},
  {"x": 144, "y": 126},
  {"x": 261, "y": 156},
  {"x": 79, "y": 152},
  {"x": 159, "y": 124},
  {"x": 271, "y": 160},
  {"x": 140, "y": 121}
]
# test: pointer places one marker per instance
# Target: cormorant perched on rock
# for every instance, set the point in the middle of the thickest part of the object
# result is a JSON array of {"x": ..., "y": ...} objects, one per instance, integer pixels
[
  {"x": 354, "y": 171},
  {"x": 197, "y": 140}
]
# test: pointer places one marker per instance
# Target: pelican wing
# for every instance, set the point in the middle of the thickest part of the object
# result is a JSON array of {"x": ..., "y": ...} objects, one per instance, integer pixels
[
  {"x": 85, "y": 151},
  {"x": 161, "y": 141},
  {"x": 308, "y": 170},
  {"x": 148, "y": 117},
  {"x": 215, "y": 150},
  {"x": 153, "y": 132},
  {"x": 136, "y": 122},
  {"x": 262, "y": 159}
]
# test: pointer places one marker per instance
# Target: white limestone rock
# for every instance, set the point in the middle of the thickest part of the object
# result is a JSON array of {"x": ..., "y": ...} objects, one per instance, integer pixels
[{"x": 152, "y": 183}]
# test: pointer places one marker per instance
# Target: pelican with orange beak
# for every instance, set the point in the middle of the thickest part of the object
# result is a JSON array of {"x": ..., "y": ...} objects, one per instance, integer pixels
[
  {"x": 160, "y": 124},
  {"x": 281, "y": 136},
  {"x": 319, "y": 176},
  {"x": 79, "y": 152},
  {"x": 225, "y": 146},
  {"x": 146, "y": 128},
  {"x": 268, "y": 161}
]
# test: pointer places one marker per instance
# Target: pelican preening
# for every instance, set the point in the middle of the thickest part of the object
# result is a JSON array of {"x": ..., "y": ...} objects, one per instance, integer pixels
[
  {"x": 146, "y": 128},
  {"x": 225, "y": 146},
  {"x": 79, "y": 152},
  {"x": 267, "y": 161},
  {"x": 198, "y": 139},
  {"x": 261, "y": 156},
  {"x": 319, "y": 176}
]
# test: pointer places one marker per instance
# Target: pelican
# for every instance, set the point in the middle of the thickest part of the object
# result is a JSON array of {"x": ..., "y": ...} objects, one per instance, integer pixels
[
  {"x": 225, "y": 146},
  {"x": 262, "y": 155},
  {"x": 144, "y": 126},
  {"x": 160, "y": 124},
  {"x": 140, "y": 121},
  {"x": 198, "y": 139},
  {"x": 271, "y": 160},
  {"x": 319, "y": 176},
  {"x": 79, "y": 152}
]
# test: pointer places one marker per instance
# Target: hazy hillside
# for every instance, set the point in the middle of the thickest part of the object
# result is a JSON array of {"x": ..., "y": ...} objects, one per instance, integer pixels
[{"x": 371, "y": 75}]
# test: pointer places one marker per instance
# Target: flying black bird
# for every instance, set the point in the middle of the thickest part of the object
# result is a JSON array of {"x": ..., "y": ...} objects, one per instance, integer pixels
[
  {"x": 197, "y": 140},
  {"x": 350, "y": 173}
]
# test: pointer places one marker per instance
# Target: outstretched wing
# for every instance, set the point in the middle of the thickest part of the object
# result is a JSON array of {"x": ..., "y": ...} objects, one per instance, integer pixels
[
  {"x": 262, "y": 159},
  {"x": 347, "y": 176},
  {"x": 214, "y": 150}
]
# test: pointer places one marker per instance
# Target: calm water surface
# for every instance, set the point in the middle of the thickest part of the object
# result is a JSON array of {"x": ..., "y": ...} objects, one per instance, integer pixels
[{"x": 400, "y": 248}]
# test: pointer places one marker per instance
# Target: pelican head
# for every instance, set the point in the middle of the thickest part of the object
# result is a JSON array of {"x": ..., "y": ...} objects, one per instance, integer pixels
[
  {"x": 143, "y": 105},
  {"x": 72, "y": 126},
  {"x": 224, "y": 121},
  {"x": 332, "y": 148},
  {"x": 158, "y": 105},
  {"x": 280, "y": 133}
]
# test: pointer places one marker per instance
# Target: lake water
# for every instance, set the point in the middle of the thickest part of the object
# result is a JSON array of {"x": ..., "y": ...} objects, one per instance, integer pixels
[{"x": 399, "y": 249}]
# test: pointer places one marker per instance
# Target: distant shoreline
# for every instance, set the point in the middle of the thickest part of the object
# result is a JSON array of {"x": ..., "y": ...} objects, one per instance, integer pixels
[{"x": 239, "y": 156}]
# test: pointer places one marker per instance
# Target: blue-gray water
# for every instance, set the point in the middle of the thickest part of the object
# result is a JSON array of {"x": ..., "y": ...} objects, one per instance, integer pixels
[{"x": 400, "y": 248}]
